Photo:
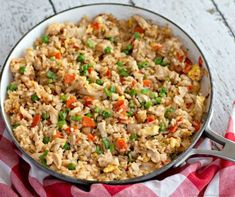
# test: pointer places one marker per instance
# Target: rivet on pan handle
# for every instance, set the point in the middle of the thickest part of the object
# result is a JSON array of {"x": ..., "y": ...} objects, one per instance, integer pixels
[{"x": 227, "y": 152}]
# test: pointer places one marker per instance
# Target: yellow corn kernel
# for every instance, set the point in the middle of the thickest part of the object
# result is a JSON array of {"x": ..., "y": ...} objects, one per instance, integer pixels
[
  {"x": 130, "y": 22},
  {"x": 195, "y": 72},
  {"x": 109, "y": 168}
]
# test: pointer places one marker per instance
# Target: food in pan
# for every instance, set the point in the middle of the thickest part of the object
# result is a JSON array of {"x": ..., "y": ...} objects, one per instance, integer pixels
[{"x": 105, "y": 99}]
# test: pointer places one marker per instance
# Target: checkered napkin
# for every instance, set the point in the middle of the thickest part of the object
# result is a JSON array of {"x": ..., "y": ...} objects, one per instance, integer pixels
[{"x": 199, "y": 176}]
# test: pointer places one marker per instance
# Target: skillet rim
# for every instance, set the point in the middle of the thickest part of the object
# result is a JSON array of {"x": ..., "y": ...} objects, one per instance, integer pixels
[{"x": 125, "y": 181}]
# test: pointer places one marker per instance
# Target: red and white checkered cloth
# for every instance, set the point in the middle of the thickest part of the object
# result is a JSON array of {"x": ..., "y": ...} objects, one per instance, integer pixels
[{"x": 200, "y": 176}]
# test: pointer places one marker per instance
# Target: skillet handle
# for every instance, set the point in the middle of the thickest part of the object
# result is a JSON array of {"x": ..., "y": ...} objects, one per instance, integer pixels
[{"x": 227, "y": 152}]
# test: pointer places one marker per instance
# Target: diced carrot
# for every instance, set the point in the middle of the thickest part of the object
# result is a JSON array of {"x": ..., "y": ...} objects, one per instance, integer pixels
[
  {"x": 75, "y": 127},
  {"x": 138, "y": 29},
  {"x": 122, "y": 80},
  {"x": 95, "y": 25},
  {"x": 119, "y": 105},
  {"x": 69, "y": 78},
  {"x": 87, "y": 100},
  {"x": 196, "y": 124},
  {"x": 200, "y": 61},
  {"x": 70, "y": 101},
  {"x": 123, "y": 117},
  {"x": 133, "y": 83},
  {"x": 68, "y": 130},
  {"x": 91, "y": 137},
  {"x": 150, "y": 118},
  {"x": 121, "y": 144},
  {"x": 58, "y": 135},
  {"x": 179, "y": 120},
  {"x": 147, "y": 83},
  {"x": 58, "y": 56},
  {"x": 180, "y": 57},
  {"x": 90, "y": 70},
  {"x": 157, "y": 46},
  {"x": 88, "y": 122},
  {"x": 190, "y": 87},
  {"x": 173, "y": 128},
  {"x": 36, "y": 120},
  {"x": 187, "y": 61},
  {"x": 187, "y": 68},
  {"x": 108, "y": 73}
]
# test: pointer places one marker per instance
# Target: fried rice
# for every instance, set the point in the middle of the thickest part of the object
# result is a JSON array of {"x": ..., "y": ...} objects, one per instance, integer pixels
[{"x": 105, "y": 99}]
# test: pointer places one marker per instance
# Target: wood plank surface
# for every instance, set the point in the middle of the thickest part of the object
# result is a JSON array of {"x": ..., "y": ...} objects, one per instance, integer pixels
[{"x": 211, "y": 23}]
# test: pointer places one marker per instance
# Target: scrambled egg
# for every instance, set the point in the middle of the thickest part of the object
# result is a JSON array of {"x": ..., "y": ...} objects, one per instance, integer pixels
[
  {"x": 195, "y": 72},
  {"x": 110, "y": 168},
  {"x": 152, "y": 130}
]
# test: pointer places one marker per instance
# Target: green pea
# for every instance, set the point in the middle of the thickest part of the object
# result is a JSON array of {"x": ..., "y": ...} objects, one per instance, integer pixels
[
  {"x": 71, "y": 166},
  {"x": 12, "y": 87},
  {"x": 120, "y": 63},
  {"x": 51, "y": 75},
  {"x": 158, "y": 60},
  {"x": 14, "y": 126},
  {"x": 88, "y": 115},
  {"x": 98, "y": 150},
  {"x": 110, "y": 38},
  {"x": 62, "y": 115},
  {"x": 112, "y": 147},
  {"x": 112, "y": 89},
  {"x": 99, "y": 81},
  {"x": 97, "y": 110},
  {"x": 162, "y": 92},
  {"x": 90, "y": 43},
  {"x": 133, "y": 92},
  {"x": 107, "y": 50},
  {"x": 45, "y": 39},
  {"x": 123, "y": 72},
  {"x": 106, "y": 114},
  {"x": 137, "y": 35},
  {"x": 61, "y": 123},
  {"x": 162, "y": 127},
  {"x": 169, "y": 112},
  {"x": 76, "y": 118},
  {"x": 131, "y": 104},
  {"x": 34, "y": 98},
  {"x": 81, "y": 58},
  {"x": 130, "y": 159},
  {"x": 42, "y": 157},
  {"x": 130, "y": 113},
  {"x": 66, "y": 146},
  {"x": 45, "y": 115},
  {"x": 22, "y": 69},
  {"x": 148, "y": 104},
  {"x": 133, "y": 137},
  {"x": 145, "y": 91},
  {"x": 46, "y": 140},
  {"x": 107, "y": 92},
  {"x": 106, "y": 143},
  {"x": 128, "y": 49},
  {"x": 143, "y": 64},
  {"x": 158, "y": 100},
  {"x": 63, "y": 97}
]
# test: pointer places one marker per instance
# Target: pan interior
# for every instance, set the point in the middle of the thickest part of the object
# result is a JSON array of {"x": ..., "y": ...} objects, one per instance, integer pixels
[{"x": 121, "y": 12}]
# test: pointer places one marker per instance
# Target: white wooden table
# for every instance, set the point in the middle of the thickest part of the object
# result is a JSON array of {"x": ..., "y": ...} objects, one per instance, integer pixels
[{"x": 211, "y": 23}]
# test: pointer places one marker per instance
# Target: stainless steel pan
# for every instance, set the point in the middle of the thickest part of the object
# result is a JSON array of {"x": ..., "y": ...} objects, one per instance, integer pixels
[{"x": 123, "y": 11}]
